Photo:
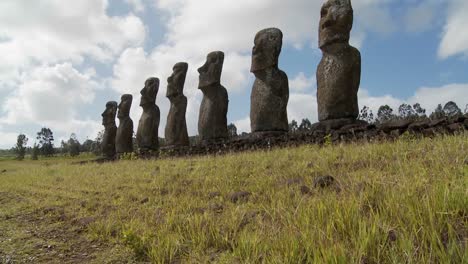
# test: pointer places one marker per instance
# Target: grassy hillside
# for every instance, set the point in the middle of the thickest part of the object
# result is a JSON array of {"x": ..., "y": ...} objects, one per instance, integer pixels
[{"x": 395, "y": 202}]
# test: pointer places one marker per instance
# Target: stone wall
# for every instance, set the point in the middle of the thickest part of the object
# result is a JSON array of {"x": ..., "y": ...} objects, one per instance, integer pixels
[{"x": 352, "y": 133}]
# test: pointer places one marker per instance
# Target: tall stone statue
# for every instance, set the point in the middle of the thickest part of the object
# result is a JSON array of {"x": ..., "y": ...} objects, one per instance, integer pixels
[
  {"x": 147, "y": 133},
  {"x": 212, "y": 120},
  {"x": 176, "y": 127},
  {"x": 270, "y": 92},
  {"x": 124, "y": 138},
  {"x": 339, "y": 71},
  {"x": 110, "y": 129}
]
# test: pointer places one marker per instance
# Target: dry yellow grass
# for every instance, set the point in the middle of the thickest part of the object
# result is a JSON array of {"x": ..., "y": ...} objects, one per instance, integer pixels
[{"x": 395, "y": 202}]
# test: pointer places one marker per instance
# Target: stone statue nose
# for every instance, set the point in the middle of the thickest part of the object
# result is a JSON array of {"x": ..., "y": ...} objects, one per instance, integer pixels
[
  {"x": 328, "y": 22},
  {"x": 202, "y": 69}
]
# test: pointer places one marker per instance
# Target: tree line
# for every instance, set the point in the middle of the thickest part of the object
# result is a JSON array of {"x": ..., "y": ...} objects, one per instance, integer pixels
[
  {"x": 386, "y": 114},
  {"x": 44, "y": 146}
]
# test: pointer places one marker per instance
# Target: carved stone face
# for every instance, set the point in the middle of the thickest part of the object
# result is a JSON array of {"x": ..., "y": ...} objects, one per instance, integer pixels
[
  {"x": 149, "y": 92},
  {"x": 108, "y": 116},
  {"x": 210, "y": 73},
  {"x": 267, "y": 49},
  {"x": 336, "y": 21},
  {"x": 125, "y": 105},
  {"x": 175, "y": 83}
]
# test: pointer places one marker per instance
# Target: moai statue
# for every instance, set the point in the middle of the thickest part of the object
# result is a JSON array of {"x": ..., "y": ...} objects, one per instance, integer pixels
[
  {"x": 270, "y": 92},
  {"x": 147, "y": 133},
  {"x": 124, "y": 138},
  {"x": 339, "y": 71},
  {"x": 176, "y": 127},
  {"x": 212, "y": 122},
  {"x": 110, "y": 129}
]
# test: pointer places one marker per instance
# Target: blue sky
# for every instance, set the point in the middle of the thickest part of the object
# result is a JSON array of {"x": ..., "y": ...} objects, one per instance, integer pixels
[{"x": 63, "y": 60}]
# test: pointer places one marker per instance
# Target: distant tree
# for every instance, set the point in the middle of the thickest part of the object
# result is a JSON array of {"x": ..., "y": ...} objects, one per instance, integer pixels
[
  {"x": 87, "y": 146},
  {"x": 63, "y": 148},
  {"x": 405, "y": 111},
  {"x": 419, "y": 110},
  {"x": 385, "y": 113},
  {"x": 293, "y": 126},
  {"x": 162, "y": 141},
  {"x": 193, "y": 140},
  {"x": 35, "y": 152},
  {"x": 96, "y": 149},
  {"x": 366, "y": 115},
  {"x": 135, "y": 144},
  {"x": 46, "y": 141},
  {"x": 466, "y": 109},
  {"x": 438, "y": 113},
  {"x": 305, "y": 125},
  {"x": 73, "y": 146},
  {"x": 20, "y": 147},
  {"x": 232, "y": 130},
  {"x": 451, "y": 109}
]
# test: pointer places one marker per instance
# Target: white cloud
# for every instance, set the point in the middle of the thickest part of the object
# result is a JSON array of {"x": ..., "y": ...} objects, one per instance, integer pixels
[
  {"x": 302, "y": 106},
  {"x": 49, "y": 96},
  {"x": 301, "y": 82},
  {"x": 8, "y": 139},
  {"x": 195, "y": 28},
  {"x": 36, "y": 45},
  {"x": 39, "y": 43},
  {"x": 47, "y": 32},
  {"x": 374, "y": 102},
  {"x": 455, "y": 36},
  {"x": 429, "y": 98},
  {"x": 242, "y": 125}
]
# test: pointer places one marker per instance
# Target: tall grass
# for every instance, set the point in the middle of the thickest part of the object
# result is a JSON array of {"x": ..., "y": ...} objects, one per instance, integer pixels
[{"x": 396, "y": 202}]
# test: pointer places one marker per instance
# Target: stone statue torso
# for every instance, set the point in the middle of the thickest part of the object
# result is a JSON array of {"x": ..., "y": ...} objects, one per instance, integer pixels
[
  {"x": 176, "y": 127},
  {"x": 269, "y": 101},
  {"x": 108, "y": 141},
  {"x": 147, "y": 134},
  {"x": 124, "y": 137},
  {"x": 212, "y": 122},
  {"x": 338, "y": 79}
]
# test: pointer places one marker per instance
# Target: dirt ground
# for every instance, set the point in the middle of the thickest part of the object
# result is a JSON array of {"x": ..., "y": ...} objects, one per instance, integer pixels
[{"x": 49, "y": 235}]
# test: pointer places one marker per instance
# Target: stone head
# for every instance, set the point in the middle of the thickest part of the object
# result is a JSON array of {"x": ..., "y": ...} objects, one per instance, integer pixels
[
  {"x": 108, "y": 116},
  {"x": 175, "y": 82},
  {"x": 125, "y": 105},
  {"x": 265, "y": 53},
  {"x": 149, "y": 92},
  {"x": 210, "y": 72},
  {"x": 336, "y": 22}
]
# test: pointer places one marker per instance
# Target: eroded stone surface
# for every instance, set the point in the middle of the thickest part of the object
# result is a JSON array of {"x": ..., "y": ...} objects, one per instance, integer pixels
[
  {"x": 212, "y": 121},
  {"x": 110, "y": 130},
  {"x": 147, "y": 133},
  {"x": 344, "y": 134},
  {"x": 124, "y": 138},
  {"x": 176, "y": 127},
  {"x": 270, "y": 92},
  {"x": 339, "y": 71}
]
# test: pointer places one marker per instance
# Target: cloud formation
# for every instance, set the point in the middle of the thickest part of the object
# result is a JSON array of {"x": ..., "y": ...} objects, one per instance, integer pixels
[
  {"x": 455, "y": 36},
  {"x": 46, "y": 47},
  {"x": 195, "y": 28},
  {"x": 49, "y": 96},
  {"x": 52, "y": 51}
]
